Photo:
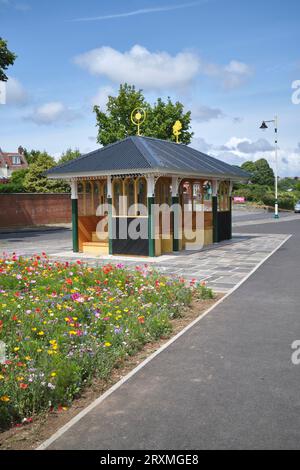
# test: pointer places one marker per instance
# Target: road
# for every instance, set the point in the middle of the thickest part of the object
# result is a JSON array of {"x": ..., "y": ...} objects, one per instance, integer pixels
[{"x": 227, "y": 383}]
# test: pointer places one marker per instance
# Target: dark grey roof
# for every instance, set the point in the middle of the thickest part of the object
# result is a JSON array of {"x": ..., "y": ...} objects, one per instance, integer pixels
[{"x": 147, "y": 153}]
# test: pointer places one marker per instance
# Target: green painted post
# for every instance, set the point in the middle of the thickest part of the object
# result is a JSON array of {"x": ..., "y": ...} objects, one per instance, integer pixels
[
  {"x": 110, "y": 227},
  {"x": 215, "y": 219},
  {"x": 175, "y": 222},
  {"x": 75, "y": 225},
  {"x": 151, "y": 239}
]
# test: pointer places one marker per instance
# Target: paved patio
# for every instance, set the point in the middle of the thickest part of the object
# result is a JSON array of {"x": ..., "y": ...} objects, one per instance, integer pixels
[{"x": 221, "y": 266}]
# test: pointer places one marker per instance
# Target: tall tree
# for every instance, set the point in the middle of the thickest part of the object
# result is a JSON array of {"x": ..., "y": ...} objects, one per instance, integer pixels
[
  {"x": 7, "y": 58},
  {"x": 261, "y": 172},
  {"x": 115, "y": 123},
  {"x": 36, "y": 180},
  {"x": 32, "y": 155},
  {"x": 68, "y": 156}
]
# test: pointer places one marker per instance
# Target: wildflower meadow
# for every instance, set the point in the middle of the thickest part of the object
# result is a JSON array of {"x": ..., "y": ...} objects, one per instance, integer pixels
[{"x": 64, "y": 323}]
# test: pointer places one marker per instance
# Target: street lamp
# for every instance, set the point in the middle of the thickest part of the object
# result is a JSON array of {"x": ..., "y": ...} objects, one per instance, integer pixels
[{"x": 264, "y": 127}]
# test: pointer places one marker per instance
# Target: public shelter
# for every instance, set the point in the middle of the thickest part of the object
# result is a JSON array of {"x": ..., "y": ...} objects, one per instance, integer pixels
[{"x": 147, "y": 171}]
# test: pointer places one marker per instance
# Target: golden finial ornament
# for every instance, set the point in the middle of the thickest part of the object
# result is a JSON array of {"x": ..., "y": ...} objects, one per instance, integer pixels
[
  {"x": 137, "y": 117},
  {"x": 177, "y": 130}
]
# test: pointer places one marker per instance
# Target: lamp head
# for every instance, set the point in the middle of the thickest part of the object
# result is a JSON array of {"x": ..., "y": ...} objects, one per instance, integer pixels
[{"x": 264, "y": 126}]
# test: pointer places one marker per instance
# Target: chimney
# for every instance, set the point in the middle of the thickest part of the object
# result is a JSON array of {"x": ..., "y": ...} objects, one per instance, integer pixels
[{"x": 21, "y": 150}]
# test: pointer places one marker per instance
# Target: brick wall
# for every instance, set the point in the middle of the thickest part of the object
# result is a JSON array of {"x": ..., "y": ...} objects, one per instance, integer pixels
[{"x": 24, "y": 209}]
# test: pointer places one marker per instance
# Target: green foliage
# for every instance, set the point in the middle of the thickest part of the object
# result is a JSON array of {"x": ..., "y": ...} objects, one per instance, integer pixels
[
  {"x": 261, "y": 172},
  {"x": 36, "y": 180},
  {"x": 285, "y": 201},
  {"x": 252, "y": 192},
  {"x": 203, "y": 292},
  {"x": 115, "y": 124},
  {"x": 250, "y": 167},
  {"x": 68, "y": 156},
  {"x": 16, "y": 182},
  {"x": 162, "y": 117},
  {"x": 18, "y": 177},
  {"x": 10, "y": 188},
  {"x": 7, "y": 58},
  {"x": 32, "y": 155},
  {"x": 265, "y": 195},
  {"x": 286, "y": 184}
]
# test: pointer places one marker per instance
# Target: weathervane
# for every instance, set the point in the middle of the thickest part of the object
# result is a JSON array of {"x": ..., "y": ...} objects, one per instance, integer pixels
[
  {"x": 138, "y": 116},
  {"x": 176, "y": 130}
]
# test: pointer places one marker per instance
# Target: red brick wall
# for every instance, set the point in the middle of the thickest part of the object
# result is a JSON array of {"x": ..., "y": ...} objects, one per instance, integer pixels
[{"x": 34, "y": 209}]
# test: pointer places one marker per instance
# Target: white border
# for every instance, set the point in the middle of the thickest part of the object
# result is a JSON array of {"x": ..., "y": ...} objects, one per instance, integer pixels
[{"x": 115, "y": 387}]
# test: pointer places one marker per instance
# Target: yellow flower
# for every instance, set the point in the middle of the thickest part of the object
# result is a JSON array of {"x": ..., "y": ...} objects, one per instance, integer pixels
[
  {"x": 16, "y": 349},
  {"x": 1, "y": 377},
  {"x": 39, "y": 350},
  {"x": 33, "y": 329},
  {"x": 107, "y": 344},
  {"x": 5, "y": 398},
  {"x": 72, "y": 332},
  {"x": 41, "y": 333},
  {"x": 53, "y": 374},
  {"x": 49, "y": 352},
  {"x": 27, "y": 358}
]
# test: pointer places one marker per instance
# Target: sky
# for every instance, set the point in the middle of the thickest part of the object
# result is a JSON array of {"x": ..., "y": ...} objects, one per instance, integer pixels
[{"x": 232, "y": 63}]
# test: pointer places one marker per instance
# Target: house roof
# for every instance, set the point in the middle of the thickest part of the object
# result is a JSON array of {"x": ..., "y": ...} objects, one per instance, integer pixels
[
  {"x": 7, "y": 161},
  {"x": 147, "y": 155}
]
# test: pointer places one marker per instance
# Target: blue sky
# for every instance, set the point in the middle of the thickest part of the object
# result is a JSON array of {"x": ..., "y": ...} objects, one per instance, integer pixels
[{"x": 231, "y": 62}]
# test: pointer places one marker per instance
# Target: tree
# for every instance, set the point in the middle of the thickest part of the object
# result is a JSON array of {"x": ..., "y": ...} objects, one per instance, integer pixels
[
  {"x": 36, "y": 180},
  {"x": 18, "y": 178},
  {"x": 32, "y": 156},
  {"x": 264, "y": 173},
  {"x": 68, "y": 156},
  {"x": 7, "y": 58},
  {"x": 261, "y": 172},
  {"x": 250, "y": 167},
  {"x": 115, "y": 123},
  {"x": 162, "y": 117}
]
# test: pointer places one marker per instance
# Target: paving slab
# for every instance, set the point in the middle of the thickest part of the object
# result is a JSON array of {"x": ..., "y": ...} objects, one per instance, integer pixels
[{"x": 214, "y": 262}]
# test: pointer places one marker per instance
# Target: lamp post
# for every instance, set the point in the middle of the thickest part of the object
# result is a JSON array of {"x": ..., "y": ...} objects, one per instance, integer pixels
[{"x": 264, "y": 127}]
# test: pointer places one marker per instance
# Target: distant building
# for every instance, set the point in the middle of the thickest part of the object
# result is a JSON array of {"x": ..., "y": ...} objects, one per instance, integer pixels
[{"x": 12, "y": 161}]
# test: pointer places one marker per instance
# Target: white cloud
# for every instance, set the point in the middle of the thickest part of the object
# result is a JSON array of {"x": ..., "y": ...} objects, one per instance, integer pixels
[
  {"x": 200, "y": 144},
  {"x": 246, "y": 146},
  {"x": 231, "y": 76},
  {"x": 51, "y": 113},
  {"x": 142, "y": 11},
  {"x": 15, "y": 92},
  {"x": 231, "y": 158},
  {"x": 205, "y": 113},
  {"x": 159, "y": 70},
  {"x": 261, "y": 145},
  {"x": 237, "y": 151},
  {"x": 145, "y": 69},
  {"x": 101, "y": 97}
]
